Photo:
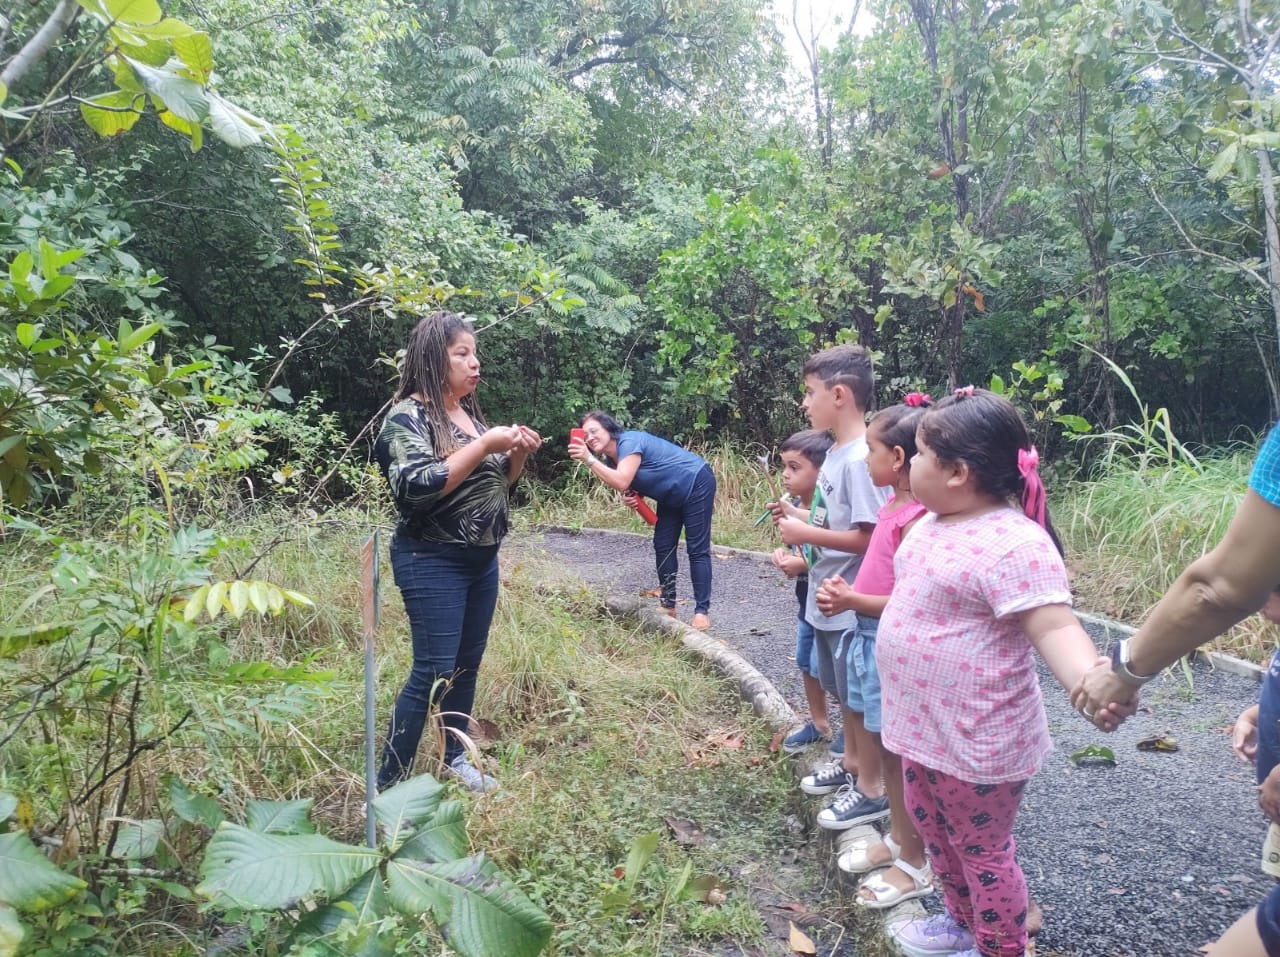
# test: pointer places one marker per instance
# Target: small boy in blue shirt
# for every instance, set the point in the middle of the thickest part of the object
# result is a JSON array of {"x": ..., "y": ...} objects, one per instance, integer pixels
[{"x": 802, "y": 456}]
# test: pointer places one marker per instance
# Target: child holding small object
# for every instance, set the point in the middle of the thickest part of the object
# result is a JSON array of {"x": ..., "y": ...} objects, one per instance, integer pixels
[
  {"x": 802, "y": 455},
  {"x": 891, "y": 438}
]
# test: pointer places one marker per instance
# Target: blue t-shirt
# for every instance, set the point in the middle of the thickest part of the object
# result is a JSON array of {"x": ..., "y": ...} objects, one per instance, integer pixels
[
  {"x": 1265, "y": 480},
  {"x": 666, "y": 471}
]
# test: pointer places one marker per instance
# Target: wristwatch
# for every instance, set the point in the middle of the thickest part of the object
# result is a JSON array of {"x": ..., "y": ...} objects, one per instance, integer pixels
[{"x": 1120, "y": 665}]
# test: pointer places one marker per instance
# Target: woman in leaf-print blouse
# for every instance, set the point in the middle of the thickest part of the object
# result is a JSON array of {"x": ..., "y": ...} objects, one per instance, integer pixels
[{"x": 450, "y": 475}]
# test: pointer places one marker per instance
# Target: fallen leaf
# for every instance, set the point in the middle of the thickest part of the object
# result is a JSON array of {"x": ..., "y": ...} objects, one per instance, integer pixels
[
  {"x": 1094, "y": 755},
  {"x": 1159, "y": 742},
  {"x": 1117, "y": 890},
  {"x": 483, "y": 731},
  {"x": 652, "y": 593},
  {"x": 776, "y": 743},
  {"x": 801, "y": 943},
  {"x": 619, "y": 872},
  {"x": 707, "y": 888},
  {"x": 716, "y": 897},
  {"x": 793, "y": 906},
  {"x": 686, "y": 832}
]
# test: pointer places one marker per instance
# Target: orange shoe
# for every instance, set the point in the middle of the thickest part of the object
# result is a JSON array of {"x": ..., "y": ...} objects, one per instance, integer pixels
[{"x": 700, "y": 622}]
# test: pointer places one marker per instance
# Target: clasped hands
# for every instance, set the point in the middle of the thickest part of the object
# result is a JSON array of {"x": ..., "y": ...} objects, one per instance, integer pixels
[{"x": 1103, "y": 699}]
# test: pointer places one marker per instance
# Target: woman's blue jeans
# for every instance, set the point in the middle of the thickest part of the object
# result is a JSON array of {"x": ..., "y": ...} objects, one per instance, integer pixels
[
  {"x": 450, "y": 592},
  {"x": 694, "y": 516}
]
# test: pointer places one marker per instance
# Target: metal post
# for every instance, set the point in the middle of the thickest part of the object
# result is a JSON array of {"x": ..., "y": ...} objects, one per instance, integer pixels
[{"x": 369, "y": 609}]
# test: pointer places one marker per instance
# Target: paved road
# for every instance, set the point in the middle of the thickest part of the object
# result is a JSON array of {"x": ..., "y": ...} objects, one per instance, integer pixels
[{"x": 1151, "y": 858}]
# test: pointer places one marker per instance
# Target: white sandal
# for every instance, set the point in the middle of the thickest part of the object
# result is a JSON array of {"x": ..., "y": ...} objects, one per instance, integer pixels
[
  {"x": 856, "y": 858},
  {"x": 886, "y": 895}
]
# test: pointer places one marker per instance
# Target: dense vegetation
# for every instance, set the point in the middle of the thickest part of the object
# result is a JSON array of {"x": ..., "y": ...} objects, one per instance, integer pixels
[{"x": 218, "y": 221}]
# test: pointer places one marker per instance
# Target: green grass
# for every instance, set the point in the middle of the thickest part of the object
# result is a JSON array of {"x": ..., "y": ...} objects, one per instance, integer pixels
[{"x": 1131, "y": 531}]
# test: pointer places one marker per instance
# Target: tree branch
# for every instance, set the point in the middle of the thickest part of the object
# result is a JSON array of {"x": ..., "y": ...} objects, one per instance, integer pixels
[{"x": 34, "y": 49}]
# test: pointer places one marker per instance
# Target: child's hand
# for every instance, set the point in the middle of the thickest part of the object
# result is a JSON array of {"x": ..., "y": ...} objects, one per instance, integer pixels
[
  {"x": 1269, "y": 795},
  {"x": 1244, "y": 736},
  {"x": 784, "y": 509},
  {"x": 833, "y": 596},
  {"x": 792, "y": 531},
  {"x": 789, "y": 563}
]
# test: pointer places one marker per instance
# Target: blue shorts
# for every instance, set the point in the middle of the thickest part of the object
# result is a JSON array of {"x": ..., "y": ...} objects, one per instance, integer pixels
[
  {"x": 863, "y": 678},
  {"x": 1269, "y": 922},
  {"x": 805, "y": 657}
]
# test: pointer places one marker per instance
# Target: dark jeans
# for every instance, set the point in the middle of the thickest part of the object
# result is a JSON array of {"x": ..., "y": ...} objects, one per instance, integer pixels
[
  {"x": 694, "y": 516},
  {"x": 449, "y": 592}
]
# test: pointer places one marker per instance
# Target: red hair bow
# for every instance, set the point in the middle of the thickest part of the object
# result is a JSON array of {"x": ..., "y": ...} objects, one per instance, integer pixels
[{"x": 917, "y": 399}]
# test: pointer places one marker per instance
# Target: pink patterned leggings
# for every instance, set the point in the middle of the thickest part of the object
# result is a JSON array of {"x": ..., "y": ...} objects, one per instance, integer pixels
[{"x": 968, "y": 830}]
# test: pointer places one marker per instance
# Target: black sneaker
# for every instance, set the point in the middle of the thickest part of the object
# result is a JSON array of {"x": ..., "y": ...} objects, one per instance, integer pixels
[
  {"x": 827, "y": 779},
  {"x": 851, "y": 808}
]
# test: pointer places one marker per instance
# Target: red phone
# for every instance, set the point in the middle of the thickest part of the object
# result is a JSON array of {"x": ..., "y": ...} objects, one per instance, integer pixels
[{"x": 579, "y": 435}]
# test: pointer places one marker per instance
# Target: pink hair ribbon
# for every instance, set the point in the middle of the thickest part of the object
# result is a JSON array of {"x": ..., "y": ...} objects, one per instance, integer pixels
[
  {"x": 917, "y": 399},
  {"x": 1032, "y": 486},
  {"x": 964, "y": 392}
]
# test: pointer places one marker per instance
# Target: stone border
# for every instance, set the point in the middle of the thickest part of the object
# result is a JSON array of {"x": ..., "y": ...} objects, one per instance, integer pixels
[{"x": 752, "y": 685}]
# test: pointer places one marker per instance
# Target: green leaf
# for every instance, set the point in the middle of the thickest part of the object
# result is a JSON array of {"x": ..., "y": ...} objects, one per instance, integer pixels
[
  {"x": 111, "y": 113},
  {"x": 238, "y": 595},
  {"x": 441, "y": 838},
  {"x": 232, "y": 125},
  {"x": 279, "y": 817},
  {"x": 192, "y": 807},
  {"x": 28, "y": 881},
  {"x": 27, "y": 334},
  {"x": 638, "y": 857},
  {"x": 8, "y": 804},
  {"x": 14, "y": 640},
  {"x": 1223, "y": 162},
  {"x": 137, "y": 840},
  {"x": 184, "y": 97},
  {"x": 124, "y": 11},
  {"x": 477, "y": 907},
  {"x": 1094, "y": 754},
  {"x": 365, "y": 904},
  {"x": 4, "y": 92},
  {"x": 997, "y": 384},
  {"x": 407, "y": 804},
  {"x": 258, "y": 597},
  {"x": 138, "y": 336},
  {"x": 195, "y": 604},
  {"x": 275, "y": 871},
  {"x": 196, "y": 52},
  {"x": 11, "y": 929},
  {"x": 217, "y": 595}
]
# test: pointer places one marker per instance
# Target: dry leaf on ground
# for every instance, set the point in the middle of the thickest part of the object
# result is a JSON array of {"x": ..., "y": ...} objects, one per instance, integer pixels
[{"x": 801, "y": 943}]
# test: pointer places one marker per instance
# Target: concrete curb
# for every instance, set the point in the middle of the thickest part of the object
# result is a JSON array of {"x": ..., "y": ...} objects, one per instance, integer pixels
[{"x": 752, "y": 685}]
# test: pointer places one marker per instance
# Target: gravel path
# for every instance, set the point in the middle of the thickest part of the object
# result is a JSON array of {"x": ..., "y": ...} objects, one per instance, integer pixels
[{"x": 1151, "y": 858}]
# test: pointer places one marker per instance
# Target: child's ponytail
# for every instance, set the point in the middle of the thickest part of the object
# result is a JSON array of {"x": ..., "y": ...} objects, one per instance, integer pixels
[{"x": 1033, "y": 503}]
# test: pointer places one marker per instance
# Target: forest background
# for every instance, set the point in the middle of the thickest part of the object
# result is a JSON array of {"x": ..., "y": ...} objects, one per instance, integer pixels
[{"x": 219, "y": 221}]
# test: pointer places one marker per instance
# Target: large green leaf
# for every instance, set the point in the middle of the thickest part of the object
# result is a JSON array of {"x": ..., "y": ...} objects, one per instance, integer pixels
[
  {"x": 275, "y": 871},
  {"x": 28, "y": 881},
  {"x": 124, "y": 11},
  {"x": 478, "y": 909},
  {"x": 407, "y": 804},
  {"x": 232, "y": 125},
  {"x": 185, "y": 98},
  {"x": 441, "y": 838},
  {"x": 196, "y": 53},
  {"x": 192, "y": 807},
  {"x": 279, "y": 817},
  {"x": 110, "y": 114},
  {"x": 365, "y": 904},
  {"x": 138, "y": 840}
]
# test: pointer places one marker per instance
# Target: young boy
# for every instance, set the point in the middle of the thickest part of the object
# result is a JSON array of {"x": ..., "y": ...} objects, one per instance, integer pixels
[
  {"x": 802, "y": 456},
  {"x": 838, "y": 389}
]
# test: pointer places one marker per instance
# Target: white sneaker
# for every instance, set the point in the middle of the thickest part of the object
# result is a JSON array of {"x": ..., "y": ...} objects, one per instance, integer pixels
[{"x": 472, "y": 778}]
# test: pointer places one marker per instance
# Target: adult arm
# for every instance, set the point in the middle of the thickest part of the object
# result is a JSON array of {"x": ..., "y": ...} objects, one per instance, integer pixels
[
  {"x": 1216, "y": 591},
  {"x": 619, "y": 478}
]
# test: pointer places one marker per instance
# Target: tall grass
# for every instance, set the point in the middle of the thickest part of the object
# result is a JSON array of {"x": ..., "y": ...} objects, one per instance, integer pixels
[{"x": 1131, "y": 530}]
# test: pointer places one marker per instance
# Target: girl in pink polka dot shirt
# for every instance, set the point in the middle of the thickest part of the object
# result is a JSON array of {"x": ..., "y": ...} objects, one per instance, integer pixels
[{"x": 979, "y": 585}]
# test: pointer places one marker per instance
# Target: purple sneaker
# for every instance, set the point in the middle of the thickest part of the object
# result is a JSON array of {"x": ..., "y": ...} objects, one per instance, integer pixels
[{"x": 937, "y": 935}]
